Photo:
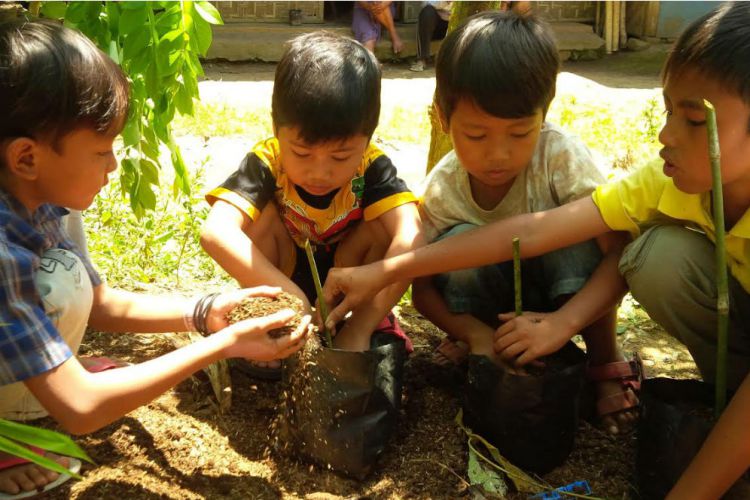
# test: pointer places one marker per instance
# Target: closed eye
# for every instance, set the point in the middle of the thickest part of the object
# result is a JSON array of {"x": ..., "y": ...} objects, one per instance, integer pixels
[{"x": 475, "y": 137}]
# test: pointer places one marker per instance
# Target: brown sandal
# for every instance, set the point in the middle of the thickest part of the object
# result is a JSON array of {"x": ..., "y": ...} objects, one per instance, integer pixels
[
  {"x": 451, "y": 353},
  {"x": 629, "y": 374}
]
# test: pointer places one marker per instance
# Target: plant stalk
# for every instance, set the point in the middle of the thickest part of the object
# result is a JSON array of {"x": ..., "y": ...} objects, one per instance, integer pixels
[
  {"x": 517, "y": 275},
  {"x": 722, "y": 286},
  {"x": 322, "y": 306}
]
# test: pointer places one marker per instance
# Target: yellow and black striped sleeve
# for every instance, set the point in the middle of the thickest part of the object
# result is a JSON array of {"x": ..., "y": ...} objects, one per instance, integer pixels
[
  {"x": 249, "y": 188},
  {"x": 383, "y": 188}
]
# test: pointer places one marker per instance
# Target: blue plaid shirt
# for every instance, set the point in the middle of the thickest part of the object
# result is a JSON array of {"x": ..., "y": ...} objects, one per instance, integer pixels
[{"x": 29, "y": 343}]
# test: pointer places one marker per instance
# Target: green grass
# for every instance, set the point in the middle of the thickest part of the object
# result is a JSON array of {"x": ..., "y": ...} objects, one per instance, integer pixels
[{"x": 161, "y": 250}]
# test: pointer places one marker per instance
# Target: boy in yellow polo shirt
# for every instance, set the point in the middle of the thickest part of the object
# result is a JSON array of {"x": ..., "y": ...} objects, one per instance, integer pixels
[
  {"x": 319, "y": 178},
  {"x": 670, "y": 266}
]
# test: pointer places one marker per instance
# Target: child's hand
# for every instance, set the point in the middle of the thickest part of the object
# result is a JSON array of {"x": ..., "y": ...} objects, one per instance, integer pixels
[
  {"x": 523, "y": 339},
  {"x": 225, "y": 302},
  {"x": 351, "y": 286},
  {"x": 249, "y": 338}
]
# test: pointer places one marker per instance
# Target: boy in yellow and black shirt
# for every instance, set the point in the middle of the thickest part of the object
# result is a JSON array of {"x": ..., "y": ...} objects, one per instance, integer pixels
[{"x": 320, "y": 179}]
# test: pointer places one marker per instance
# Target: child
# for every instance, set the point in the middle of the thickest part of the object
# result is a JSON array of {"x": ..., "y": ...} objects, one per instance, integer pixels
[
  {"x": 507, "y": 160},
  {"x": 368, "y": 19},
  {"x": 317, "y": 179},
  {"x": 670, "y": 267},
  {"x": 62, "y": 102}
]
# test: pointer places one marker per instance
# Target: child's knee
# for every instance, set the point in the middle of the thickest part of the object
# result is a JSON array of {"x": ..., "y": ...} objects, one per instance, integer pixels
[
  {"x": 66, "y": 293},
  {"x": 669, "y": 261},
  {"x": 366, "y": 243}
]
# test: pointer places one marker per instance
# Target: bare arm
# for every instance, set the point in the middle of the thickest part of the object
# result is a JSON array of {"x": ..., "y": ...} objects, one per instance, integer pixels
[
  {"x": 404, "y": 229},
  {"x": 83, "y": 402},
  {"x": 724, "y": 456},
  {"x": 120, "y": 311},
  {"x": 533, "y": 335},
  {"x": 225, "y": 238},
  {"x": 540, "y": 232}
]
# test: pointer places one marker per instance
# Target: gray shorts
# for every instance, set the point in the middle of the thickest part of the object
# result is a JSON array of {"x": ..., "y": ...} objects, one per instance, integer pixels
[
  {"x": 485, "y": 292},
  {"x": 671, "y": 272}
]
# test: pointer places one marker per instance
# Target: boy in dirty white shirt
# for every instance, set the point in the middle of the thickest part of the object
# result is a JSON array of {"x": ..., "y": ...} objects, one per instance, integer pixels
[{"x": 507, "y": 160}]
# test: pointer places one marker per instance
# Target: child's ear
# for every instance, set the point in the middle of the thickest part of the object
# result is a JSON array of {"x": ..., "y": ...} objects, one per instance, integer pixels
[
  {"x": 20, "y": 158},
  {"x": 442, "y": 119}
]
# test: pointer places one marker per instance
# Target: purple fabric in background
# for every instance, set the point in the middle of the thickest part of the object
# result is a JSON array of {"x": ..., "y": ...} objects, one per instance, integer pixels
[{"x": 364, "y": 26}]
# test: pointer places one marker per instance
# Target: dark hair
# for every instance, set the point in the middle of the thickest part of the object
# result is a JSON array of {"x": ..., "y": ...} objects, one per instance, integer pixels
[
  {"x": 718, "y": 46},
  {"x": 53, "y": 80},
  {"x": 328, "y": 86},
  {"x": 505, "y": 62}
]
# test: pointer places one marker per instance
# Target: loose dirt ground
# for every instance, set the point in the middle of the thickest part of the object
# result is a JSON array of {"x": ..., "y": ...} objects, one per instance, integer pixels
[{"x": 179, "y": 446}]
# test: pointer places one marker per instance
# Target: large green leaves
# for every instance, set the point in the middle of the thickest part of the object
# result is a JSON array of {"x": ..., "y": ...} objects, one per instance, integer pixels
[
  {"x": 13, "y": 437},
  {"x": 158, "y": 45}
]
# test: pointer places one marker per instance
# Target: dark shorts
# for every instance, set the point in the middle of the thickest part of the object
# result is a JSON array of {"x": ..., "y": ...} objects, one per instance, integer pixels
[{"x": 302, "y": 275}]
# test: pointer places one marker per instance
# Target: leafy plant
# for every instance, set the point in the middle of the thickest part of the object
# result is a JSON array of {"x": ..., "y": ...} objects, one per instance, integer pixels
[
  {"x": 157, "y": 44},
  {"x": 13, "y": 437},
  {"x": 160, "y": 249}
]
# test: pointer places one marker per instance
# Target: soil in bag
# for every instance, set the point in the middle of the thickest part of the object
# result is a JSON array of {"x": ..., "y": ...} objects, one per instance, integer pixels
[
  {"x": 531, "y": 419},
  {"x": 676, "y": 417},
  {"x": 339, "y": 407}
]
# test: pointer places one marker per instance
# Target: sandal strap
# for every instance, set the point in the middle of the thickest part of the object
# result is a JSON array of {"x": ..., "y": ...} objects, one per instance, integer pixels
[
  {"x": 629, "y": 372},
  {"x": 13, "y": 461},
  {"x": 616, "y": 403}
]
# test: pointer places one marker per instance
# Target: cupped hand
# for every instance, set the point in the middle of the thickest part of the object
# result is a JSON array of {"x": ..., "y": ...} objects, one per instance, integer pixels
[
  {"x": 225, "y": 302},
  {"x": 523, "y": 339},
  {"x": 250, "y": 337}
]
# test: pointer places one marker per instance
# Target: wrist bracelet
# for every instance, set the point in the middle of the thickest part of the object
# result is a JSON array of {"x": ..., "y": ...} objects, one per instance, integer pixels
[{"x": 201, "y": 311}]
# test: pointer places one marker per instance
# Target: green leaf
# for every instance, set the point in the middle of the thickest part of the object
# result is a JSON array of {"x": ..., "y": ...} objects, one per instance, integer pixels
[
  {"x": 132, "y": 20},
  {"x": 42, "y": 438},
  {"x": 208, "y": 12},
  {"x": 13, "y": 448},
  {"x": 54, "y": 10},
  {"x": 202, "y": 37},
  {"x": 480, "y": 475},
  {"x": 149, "y": 171},
  {"x": 146, "y": 196},
  {"x": 133, "y": 5},
  {"x": 184, "y": 101}
]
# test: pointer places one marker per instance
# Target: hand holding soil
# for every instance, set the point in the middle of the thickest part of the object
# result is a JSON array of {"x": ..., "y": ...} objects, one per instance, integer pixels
[
  {"x": 218, "y": 316},
  {"x": 263, "y": 305},
  {"x": 273, "y": 324}
]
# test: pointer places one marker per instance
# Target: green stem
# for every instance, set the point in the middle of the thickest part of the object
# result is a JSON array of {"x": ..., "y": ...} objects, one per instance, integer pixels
[
  {"x": 722, "y": 286},
  {"x": 322, "y": 306},
  {"x": 517, "y": 275}
]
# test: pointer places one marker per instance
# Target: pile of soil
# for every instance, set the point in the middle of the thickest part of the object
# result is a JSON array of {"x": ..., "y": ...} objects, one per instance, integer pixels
[
  {"x": 179, "y": 446},
  {"x": 254, "y": 307}
]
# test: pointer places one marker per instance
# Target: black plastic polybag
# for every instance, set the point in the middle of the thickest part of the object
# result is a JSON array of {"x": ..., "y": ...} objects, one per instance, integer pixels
[
  {"x": 531, "y": 419},
  {"x": 675, "y": 421},
  {"x": 345, "y": 405}
]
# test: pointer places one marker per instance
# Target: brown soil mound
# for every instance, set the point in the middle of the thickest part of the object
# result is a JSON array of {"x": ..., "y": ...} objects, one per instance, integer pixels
[{"x": 254, "y": 307}]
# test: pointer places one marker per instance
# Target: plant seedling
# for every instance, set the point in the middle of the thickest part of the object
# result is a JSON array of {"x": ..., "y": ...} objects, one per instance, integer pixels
[
  {"x": 322, "y": 306},
  {"x": 717, "y": 201}
]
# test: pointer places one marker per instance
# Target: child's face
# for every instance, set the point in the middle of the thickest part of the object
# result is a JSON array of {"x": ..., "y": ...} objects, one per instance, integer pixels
[
  {"x": 492, "y": 150},
  {"x": 73, "y": 176},
  {"x": 684, "y": 136},
  {"x": 323, "y": 167}
]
